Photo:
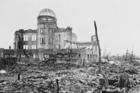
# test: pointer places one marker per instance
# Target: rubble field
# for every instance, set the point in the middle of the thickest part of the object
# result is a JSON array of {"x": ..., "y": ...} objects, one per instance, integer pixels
[{"x": 71, "y": 78}]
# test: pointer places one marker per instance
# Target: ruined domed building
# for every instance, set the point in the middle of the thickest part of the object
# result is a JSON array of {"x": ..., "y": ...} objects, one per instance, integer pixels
[{"x": 48, "y": 37}]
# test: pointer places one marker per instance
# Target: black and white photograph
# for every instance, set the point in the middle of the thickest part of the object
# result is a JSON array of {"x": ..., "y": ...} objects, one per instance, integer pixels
[{"x": 69, "y": 46}]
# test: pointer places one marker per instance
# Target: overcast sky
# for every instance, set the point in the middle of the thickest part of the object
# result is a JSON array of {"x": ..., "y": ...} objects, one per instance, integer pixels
[{"x": 118, "y": 21}]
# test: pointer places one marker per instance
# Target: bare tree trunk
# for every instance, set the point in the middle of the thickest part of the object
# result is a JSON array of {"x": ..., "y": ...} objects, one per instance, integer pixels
[
  {"x": 99, "y": 52},
  {"x": 98, "y": 44}
]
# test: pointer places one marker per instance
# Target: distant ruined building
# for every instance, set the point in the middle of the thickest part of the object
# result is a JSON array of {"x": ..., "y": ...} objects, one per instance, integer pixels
[{"x": 49, "y": 37}]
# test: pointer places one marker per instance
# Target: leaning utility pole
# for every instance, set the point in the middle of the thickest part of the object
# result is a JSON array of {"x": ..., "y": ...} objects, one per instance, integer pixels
[{"x": 99, "y": 58}]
